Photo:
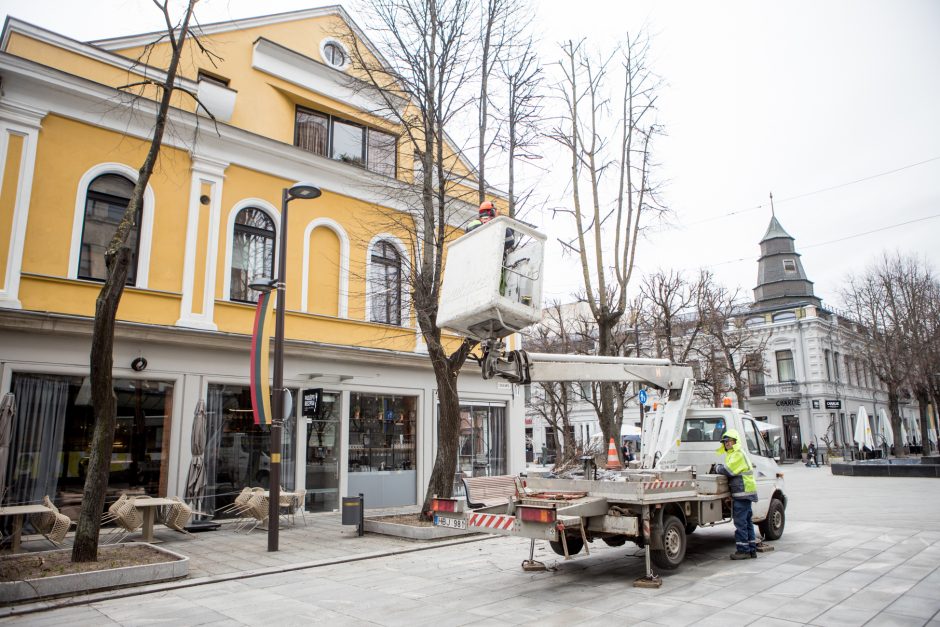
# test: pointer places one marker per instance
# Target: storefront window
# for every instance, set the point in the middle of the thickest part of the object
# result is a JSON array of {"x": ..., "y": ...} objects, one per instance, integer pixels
[
  {"x": 238, "y": 452},
  {"x": 482, "y": 447},
  {"x": 382, "y": 449},
  {"x": 323, "y": 430},
  {"x": 51, "y": 439}
]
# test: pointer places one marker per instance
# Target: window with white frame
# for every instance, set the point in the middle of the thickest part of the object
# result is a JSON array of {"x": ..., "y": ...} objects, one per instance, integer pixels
[
  {"x": 785, "y": 370},
  {"x": 789, "y": 266},
  {"x": 329, "y": 136},
  {"x": 106, "y": 200},
  {"x": 385, "y": 283},
  {"x": 252, "y": 252}
]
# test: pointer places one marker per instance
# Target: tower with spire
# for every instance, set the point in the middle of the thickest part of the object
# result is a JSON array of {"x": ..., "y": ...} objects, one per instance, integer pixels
[{"x": 781, "y": 279}]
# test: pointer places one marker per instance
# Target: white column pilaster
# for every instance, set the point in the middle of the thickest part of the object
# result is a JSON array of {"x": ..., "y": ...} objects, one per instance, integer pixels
[
  {"x": 197, "y": 310},
  {"x": 23, "y": 121}
]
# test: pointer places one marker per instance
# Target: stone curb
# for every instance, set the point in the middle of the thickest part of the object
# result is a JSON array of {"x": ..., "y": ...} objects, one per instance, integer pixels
[{"x": 53, "y": 604}]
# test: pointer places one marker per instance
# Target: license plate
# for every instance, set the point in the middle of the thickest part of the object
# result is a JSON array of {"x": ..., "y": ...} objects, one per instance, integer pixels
[{"x": 452, "y": 523}]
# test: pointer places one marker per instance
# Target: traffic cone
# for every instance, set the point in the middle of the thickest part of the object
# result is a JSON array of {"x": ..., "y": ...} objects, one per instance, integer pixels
[{"x": 613, "y": 462}]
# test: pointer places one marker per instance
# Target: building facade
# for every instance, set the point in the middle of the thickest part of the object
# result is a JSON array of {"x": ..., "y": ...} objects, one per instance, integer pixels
[
  {"x": 71, "y": 142},
  {"x": 815, "y": 375}
]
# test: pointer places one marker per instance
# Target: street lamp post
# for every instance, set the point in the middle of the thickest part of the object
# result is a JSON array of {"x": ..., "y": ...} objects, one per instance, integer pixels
[{"x": 307, "y": 192}]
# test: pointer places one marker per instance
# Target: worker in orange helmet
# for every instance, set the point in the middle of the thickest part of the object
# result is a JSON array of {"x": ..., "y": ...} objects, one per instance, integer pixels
[{"x": 487, "y": 212}]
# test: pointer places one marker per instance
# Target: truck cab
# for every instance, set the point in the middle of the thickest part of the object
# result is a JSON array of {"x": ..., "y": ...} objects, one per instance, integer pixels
[{"x": 700, "y": 440}]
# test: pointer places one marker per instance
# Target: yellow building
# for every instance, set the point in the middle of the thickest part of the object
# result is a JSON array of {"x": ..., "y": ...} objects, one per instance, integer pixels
[{"x": 285, "y": 110}]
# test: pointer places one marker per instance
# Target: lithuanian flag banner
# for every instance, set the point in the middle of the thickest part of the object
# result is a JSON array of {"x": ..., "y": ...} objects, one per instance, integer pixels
[{"x": 260, "y": 340}]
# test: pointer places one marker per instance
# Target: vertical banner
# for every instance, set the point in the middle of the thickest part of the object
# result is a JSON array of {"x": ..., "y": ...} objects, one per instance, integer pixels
[{"x": 260, "y": 356}]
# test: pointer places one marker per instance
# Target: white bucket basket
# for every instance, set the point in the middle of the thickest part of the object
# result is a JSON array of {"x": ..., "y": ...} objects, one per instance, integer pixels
[{"x": 493, "y": 280}]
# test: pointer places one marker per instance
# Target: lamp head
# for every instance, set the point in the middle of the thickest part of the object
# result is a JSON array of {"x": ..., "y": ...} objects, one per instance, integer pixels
[
  {"x": 304, "y": 191},
  {"x": 262, "y": 284}
]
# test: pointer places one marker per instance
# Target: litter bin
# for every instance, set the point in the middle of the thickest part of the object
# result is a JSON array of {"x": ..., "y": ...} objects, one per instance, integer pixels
[{"x": 353, "y": 512}]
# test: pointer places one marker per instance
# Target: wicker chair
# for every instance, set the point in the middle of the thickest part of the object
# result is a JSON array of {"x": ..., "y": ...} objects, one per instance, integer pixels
[
  {"x": 111, "y": 515},
  {"x": 257, "y": 510},
  {"x": 128, "y": 519},
  {"x": 294, "y": 501},
  {"x": 178, "y": 515},
  {"x": 240, "y": 504},
  {"x": 53, "y": 525}
]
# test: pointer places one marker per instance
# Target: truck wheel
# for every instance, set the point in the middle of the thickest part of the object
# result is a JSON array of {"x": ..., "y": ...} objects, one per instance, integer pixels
[
  {"x": 673, "y": 551},
  {"x": 575, "y": 544},
  {"x": 690, "y": 528},
  {"x": 772, "y": 526}
]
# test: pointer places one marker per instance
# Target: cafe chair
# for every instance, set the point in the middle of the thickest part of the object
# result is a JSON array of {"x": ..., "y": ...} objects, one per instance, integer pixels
[
  {"x": 111, "y": 515},
  {"x": 177, "y": 515},
  {"x": 257, "y": 510},
  {"x": 300, "y": 503},
  {"x": 128, "y": 520},
  {"x": 239, "y": 505},
  {"x": 52, "y": 525}
]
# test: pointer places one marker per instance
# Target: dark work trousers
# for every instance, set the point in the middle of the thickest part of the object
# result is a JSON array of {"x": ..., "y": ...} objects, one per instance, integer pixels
[{"x": 744, "y": 539}]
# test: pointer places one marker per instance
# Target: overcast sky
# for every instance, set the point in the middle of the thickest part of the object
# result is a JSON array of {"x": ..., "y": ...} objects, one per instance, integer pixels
[{"x": 792, "y": 97}]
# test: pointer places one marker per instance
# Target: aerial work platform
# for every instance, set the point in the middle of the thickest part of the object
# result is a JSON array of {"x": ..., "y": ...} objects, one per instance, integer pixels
[{"x": 493, "y": 281}]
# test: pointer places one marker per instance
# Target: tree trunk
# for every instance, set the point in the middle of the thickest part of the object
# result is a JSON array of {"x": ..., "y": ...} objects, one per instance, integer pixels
[
  {"x": 446, "y": 369},
  {"x": 85, "y": 548}
]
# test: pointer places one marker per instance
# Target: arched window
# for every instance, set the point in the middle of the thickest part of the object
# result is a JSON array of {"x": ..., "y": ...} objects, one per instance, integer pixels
[
  {"x": 252, "y": 252},
  {"x": 385, "y": 284},
  {"x": 105, "y": 202},
  {"x": 786, "y": 316}
]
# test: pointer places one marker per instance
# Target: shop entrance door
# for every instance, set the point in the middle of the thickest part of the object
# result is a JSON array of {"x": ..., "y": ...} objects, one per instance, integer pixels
[
  {"x": 323, "y": 456},
  {"x": 791, "y": 434}
]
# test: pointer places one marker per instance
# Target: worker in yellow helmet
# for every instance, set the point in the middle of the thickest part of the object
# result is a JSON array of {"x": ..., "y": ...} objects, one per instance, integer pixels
[{"x": 740, "y": 472}]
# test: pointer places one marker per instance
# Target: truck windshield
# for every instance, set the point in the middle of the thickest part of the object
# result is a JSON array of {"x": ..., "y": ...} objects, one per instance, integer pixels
[{"x": 703, "y": 429}]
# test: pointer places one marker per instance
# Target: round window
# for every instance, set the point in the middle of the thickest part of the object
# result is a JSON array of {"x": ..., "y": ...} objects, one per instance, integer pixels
[{"x": 334, "y": 54}]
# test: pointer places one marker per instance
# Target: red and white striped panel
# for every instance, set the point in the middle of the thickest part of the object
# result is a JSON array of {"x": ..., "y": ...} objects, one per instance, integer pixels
[
  {"x": 662, "y": 485},
  {"x": 491, "y": 521}
]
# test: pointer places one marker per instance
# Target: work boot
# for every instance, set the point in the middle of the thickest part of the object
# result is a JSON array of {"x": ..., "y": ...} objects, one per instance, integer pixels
[{"x": 741, "y": 555}]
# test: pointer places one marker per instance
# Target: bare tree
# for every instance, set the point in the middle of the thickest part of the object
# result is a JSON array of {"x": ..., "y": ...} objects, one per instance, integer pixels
[
  {"x": 523, "y": 78},
  {"x": 564, "y": 331},
  {"x": 498, "y": 29},
  {"x": 729, "y": 350},
  {"x": 895, "y": 303},
  {"x": 422, "y": 79},
  {"x": 671, "y": 306},
  {"x": 612, "y": 190},
  {"x": 117, "y": 263}
]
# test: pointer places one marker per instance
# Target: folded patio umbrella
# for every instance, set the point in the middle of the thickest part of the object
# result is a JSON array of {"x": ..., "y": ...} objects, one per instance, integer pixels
[
  {"x": 196, "y": 481},
  {"x": 886, "y": 429},
  {"x": 863, "y": 435},
  {"x": 7, "y": 409}
]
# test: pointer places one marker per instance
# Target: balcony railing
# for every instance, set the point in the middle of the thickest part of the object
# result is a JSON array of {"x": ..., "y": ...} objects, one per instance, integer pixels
[{"x": 788, "y": 388}]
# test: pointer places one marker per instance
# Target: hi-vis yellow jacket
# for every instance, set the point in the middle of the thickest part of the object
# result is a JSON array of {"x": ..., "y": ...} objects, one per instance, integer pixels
[{"x": 737, "y": 467}]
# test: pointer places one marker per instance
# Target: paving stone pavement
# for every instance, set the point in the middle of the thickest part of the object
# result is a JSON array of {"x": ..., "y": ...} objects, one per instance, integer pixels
[{"x": 856, "y": 551}]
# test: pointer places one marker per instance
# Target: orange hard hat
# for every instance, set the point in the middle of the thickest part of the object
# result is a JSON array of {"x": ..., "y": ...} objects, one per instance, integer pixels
[{"x": 487, "y": 207}]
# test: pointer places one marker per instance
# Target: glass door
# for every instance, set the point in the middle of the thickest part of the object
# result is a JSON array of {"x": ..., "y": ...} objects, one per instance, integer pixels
[{"x": 323, "y": 456}]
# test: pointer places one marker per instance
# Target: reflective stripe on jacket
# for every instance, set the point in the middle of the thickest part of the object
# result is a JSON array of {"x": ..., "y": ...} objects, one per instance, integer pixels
[{"x": 738, "y": 469}]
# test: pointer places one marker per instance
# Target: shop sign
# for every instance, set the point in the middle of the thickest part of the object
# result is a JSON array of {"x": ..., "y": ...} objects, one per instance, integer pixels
[
  {"x": 312, "y": 401},
  {"x": 788, "y": 402},
  {"x": 528, "y": 422},
  {"x": 833, "y": 404},
  {"x": 815, "y": 404}
]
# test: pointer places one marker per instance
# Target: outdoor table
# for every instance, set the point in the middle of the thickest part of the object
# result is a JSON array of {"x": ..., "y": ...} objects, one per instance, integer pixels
[
  {"x": 147, "y": 507},
  {"x": 18, "y": 511}
]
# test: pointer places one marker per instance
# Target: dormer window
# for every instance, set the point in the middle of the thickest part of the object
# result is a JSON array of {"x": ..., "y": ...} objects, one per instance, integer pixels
[
  {"x": 789, "y": 266},
  {"x": 334, "y": 54}
]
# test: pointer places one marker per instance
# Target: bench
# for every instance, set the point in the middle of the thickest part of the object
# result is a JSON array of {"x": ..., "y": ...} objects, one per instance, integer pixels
[{"x": 490, "y": 491}]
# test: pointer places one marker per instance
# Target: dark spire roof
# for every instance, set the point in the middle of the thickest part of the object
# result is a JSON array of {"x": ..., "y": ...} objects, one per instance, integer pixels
[
  {"x": 781, "y": 279},
  {"x": 774, "y": 230}
]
